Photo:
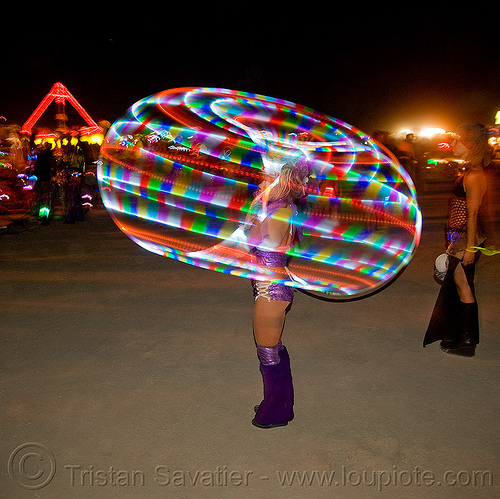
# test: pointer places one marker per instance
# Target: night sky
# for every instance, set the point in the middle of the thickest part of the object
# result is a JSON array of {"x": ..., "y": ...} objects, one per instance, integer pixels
[{"x": 375, "y": 69}]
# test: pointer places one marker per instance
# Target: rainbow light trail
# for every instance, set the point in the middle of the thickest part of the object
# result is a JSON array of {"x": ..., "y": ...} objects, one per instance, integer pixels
[{"x": 180, "y": 171}]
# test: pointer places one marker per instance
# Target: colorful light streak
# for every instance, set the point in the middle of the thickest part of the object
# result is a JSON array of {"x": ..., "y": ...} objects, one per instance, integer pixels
[
  {"x": 179, "y": 174},
  {"x": 488, "y": 251}
]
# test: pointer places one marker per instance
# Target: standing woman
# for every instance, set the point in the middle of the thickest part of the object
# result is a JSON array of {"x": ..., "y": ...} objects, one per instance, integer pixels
[
  {"x": 271, "y": 235},
  {"x": 454, "y": 320}
]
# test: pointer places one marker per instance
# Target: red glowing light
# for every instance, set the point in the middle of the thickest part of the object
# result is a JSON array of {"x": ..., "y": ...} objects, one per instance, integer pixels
[{"x": 60, "y": 94}]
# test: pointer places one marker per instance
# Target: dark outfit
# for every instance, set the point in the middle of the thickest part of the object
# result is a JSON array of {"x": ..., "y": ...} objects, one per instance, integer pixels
[
  {"x": 43, "y": 171},
  {"x": 452, "y": 319}
]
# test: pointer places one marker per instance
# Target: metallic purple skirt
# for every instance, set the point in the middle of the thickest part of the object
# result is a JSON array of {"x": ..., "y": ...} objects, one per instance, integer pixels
[{"x": 271, "y": 290}]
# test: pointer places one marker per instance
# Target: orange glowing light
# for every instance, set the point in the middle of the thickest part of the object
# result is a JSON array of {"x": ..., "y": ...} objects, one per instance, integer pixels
[{"x": 60, "y": 94}]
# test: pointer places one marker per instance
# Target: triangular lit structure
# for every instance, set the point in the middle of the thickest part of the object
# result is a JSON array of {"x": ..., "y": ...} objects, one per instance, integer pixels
[{"x": 60, "y": 94}]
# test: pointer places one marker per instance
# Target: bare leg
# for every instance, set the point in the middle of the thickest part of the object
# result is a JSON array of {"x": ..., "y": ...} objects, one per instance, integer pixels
[
  {"x": 268, "y": 320},
  {"x": 463, "y": 288}
]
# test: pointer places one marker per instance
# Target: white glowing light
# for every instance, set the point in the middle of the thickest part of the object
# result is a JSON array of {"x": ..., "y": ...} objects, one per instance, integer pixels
[{"x": 432, "y": 132}]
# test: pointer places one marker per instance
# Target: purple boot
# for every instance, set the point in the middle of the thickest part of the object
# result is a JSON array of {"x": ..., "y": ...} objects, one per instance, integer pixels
[{"x": 277, "y": 407}]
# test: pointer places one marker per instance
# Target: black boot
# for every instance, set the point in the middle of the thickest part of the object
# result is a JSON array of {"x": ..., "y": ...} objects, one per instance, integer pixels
[{"x": 465, "y": 344}]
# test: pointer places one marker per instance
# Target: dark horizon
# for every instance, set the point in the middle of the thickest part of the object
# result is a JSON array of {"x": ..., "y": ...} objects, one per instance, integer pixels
[{"x": 372, "y": 71}]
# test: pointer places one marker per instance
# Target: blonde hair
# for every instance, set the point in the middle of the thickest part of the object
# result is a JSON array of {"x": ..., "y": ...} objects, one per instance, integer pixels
[{"x": 291, "y": 181}]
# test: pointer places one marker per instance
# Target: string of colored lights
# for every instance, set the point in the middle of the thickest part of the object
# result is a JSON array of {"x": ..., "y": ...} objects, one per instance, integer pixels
[{"x": 180, "y": 173}]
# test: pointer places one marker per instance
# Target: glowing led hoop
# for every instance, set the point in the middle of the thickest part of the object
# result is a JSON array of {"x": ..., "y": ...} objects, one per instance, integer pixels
[{"x": 180, "y": 171}]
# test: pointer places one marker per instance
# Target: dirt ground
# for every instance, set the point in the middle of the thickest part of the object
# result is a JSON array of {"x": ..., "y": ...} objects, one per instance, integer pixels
[{"x": 124, "y": 374}]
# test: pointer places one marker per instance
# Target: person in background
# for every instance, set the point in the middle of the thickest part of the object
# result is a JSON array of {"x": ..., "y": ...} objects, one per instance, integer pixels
[
  {"x": 405, "y": 152},
  {"x": 454, "y": 319},
  {"x": 44, "y": 165}
]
